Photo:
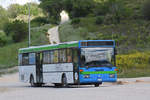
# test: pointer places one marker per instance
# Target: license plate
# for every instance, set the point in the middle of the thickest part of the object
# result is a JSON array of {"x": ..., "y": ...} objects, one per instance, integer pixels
[{"x": 99, "y": 79}]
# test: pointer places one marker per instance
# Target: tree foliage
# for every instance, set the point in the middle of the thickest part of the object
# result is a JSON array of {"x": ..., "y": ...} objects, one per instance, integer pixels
[
  {"x": 39, "y": 21},
  {"x": 75, "y": 8},
  {"x": 17, "y": 29},
  {"x": 15, "y": 9},
  {"x": 3, "y": 17},
  {"x": 115, "y": 9},
  {"x": 3, "y": 38}
]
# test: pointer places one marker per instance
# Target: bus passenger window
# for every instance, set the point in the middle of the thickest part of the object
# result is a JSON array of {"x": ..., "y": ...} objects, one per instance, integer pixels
[
  {"x": 69, "y": 55},
  {"x": 62, "y": 55},
  {"x": 51, "y": 57},
  {"x": 46, "y": 57},
  {"x": 32, "y": 58},
  {"x": 56, "y": 56},
  {"x": 20, "y": 59},
  {"x": 75, "y": 55},
  {"x": 25, "y": 59}
]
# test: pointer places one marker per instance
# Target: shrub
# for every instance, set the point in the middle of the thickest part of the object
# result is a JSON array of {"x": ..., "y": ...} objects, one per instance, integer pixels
[
  {"x": 99, "y": 20},
  {"x": 146, "y": 10},
  {"x": 3, "y": 38},
  {"x": 75, "y": 21},
  {"x": 135, "y": 61},
  {"x": 39, "y": 21}
]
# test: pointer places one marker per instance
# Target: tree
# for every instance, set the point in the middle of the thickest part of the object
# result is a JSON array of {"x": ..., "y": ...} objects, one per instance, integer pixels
[
  {"x": 39, "y": 21},
  {"x": 81, "y": 8},
  {"x": 75, "y": 8},
  {"x": 3, "y": 17},
  {"x": 14, "y": 10},
  {"x": 53, "y": 8},
  {"x": 17, "y": 29}
]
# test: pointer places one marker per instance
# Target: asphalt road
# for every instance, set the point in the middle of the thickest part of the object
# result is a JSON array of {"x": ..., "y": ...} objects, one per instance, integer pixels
[{"x": 126, "y": 89}]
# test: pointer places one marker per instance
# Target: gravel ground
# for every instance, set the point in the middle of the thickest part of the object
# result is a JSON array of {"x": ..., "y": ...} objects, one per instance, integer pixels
[{"x": 124, "y": 89}]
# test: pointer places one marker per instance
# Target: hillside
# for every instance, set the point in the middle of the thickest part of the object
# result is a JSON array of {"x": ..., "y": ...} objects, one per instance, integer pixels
[
  {"x": 122, "y": 21},
  {"x": 129, "y": 34}
]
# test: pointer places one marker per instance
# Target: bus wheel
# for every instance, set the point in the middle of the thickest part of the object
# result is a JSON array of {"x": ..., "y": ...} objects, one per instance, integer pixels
[
  {"x": 96, "y": 85},
  {"x": 64, "y": 81}
]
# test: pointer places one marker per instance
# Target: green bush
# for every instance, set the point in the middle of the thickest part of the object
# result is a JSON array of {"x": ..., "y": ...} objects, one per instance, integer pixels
[
  {"x": 3, "y": 38},
  {"x": 133, "y": 65},
  {"x": 99, "y": 20},
  {"x": 75, "y": 21}
]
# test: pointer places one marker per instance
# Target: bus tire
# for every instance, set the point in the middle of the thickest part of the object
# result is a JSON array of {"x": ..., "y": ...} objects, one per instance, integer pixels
[
  {"x": 96, "y": 85},
  {"x": 64, "y": 81}
]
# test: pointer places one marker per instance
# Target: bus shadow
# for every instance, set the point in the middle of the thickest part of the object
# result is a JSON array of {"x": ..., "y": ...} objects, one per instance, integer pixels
[{"x": 68, "y": 87}]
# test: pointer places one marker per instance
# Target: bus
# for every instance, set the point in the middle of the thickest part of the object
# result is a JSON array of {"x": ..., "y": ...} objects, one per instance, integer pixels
[{"x": 84, "y": 62}]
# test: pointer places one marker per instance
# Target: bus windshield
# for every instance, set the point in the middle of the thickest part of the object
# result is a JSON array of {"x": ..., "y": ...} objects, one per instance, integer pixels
[{"x": 97, "y": 57}]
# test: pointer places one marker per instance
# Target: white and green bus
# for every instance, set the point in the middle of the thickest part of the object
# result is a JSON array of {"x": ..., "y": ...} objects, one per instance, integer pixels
[{"x": 79, "y": 62}]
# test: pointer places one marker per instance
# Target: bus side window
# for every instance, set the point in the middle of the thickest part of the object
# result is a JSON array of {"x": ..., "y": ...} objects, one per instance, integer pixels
[
  {"x": 55, "y": 56},
  {"x": 25, "y": 59},
  {"x": 69, "y": 55},
  {"x": 75, "y": 55},
  {"x": 46, "y": 57},
  {"x": 75, "y": 58},
  {"x": 62, "y": 55},
  {"x": 20, "y": 59},
  {"x": 32, "y": 58},
  {"x": 51, "y": 57}
]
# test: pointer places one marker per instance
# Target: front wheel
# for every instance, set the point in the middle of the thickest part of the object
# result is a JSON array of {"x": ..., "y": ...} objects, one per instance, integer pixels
[
  {"x": 64, "y": 81},
  {"x": 96, "y": 85}
]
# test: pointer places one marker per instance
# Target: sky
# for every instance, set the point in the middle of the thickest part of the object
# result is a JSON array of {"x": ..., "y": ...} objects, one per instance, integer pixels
[{"x": 6, "y": 3}]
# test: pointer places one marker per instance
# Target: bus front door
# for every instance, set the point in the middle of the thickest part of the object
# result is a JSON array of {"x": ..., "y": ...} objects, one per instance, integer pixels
[{"x": 39, "y": 69}]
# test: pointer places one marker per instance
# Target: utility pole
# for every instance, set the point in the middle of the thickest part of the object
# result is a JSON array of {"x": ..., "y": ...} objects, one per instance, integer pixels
[{"x": 29, "y": 27}]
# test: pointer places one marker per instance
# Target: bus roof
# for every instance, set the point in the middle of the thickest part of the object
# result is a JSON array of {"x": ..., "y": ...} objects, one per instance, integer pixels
[
  {"x": 64, "y": 45},
  {"x": 49, "y": 47}
]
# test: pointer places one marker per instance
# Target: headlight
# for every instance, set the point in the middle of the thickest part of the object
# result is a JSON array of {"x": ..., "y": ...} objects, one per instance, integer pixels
[
  {"x": 86, "y": 76},
  {"x": 112, "y": 75}
]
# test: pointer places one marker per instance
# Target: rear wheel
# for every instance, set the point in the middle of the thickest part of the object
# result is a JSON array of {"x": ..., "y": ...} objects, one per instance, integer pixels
[{"x": 64, "y": 81}]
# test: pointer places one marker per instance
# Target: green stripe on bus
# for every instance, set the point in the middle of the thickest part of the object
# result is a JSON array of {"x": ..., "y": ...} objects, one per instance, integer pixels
[
  {"x": 48, "y": 48},
  {"x": 100, "y": 72}
]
